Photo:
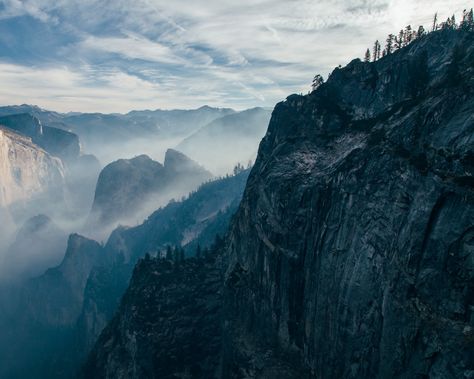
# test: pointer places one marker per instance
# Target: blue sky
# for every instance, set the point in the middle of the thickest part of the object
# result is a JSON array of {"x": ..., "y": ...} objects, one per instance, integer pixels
[{"x": 115, "y": 56}]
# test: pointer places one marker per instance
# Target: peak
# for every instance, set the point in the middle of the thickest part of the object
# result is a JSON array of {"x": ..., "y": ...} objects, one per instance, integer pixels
[
  {"x": 174, "y": 158},
  {"x": 176, "y": 161},
  {"x": 141, "y": 158}
]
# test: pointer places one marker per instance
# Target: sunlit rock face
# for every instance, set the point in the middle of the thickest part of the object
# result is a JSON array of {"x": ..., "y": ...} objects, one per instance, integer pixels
[{"x": 26, "y": 170}]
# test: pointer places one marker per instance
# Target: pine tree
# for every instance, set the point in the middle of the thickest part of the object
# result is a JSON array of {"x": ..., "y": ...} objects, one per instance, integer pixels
[
  {"x": 367, "y": 56},
  {"x": 389, "y": 44},
  {"x": 407, "y": 35},
  {"x": 470, "y": 20},
  {"x": 435, "y": 22},
  {"x": 317, "y": 81},
  {"x": 376, "y": 51},
  {"x": 401, "y": 39},
  {"x": 421, "y": 32}
]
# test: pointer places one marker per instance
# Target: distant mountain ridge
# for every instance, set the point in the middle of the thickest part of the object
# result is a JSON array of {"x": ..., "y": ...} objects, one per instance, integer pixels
[{"x": 228, "y": 140}]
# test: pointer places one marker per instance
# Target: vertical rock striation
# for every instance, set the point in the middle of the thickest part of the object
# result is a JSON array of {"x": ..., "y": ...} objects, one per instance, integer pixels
[{"x": 351, "y": 255}]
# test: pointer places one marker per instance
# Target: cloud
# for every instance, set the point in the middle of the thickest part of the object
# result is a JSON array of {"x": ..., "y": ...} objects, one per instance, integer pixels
[{"x": 219, "y": 52}]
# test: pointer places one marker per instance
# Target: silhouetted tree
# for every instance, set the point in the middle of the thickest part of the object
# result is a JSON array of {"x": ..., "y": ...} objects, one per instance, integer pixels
[
  {"x": 367, "y": 56},
  {"x": 407, "y": 35},
  {"x": 389, "y": 44},
  {"x": 400, "y": 39},
  {"x": 317, "y": 81},
  {"x": 238, "y": 168},
  {"x": 435, "y": 22},
  {"x": 421, "y": 32},
  {"x": 376, "y": 52}
]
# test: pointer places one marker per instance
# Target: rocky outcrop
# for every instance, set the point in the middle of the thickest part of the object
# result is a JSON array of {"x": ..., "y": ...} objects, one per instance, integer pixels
[
  {"x": 128, "y": 190},
  {"x": 26, "y": 171},
  {"x": 228, "y": 140},
  {"x": 57, "y": 142},
  {"x": 351, "y": 254}
]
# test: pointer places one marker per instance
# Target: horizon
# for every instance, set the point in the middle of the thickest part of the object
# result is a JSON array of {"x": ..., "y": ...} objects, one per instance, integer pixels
[{"x": 117, "y": 58}]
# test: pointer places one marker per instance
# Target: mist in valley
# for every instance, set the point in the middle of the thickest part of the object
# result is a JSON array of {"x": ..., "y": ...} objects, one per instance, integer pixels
[{"x": 35, "y": 227}]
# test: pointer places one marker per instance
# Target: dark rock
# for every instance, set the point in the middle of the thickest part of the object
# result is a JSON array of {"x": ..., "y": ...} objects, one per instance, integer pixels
[{"x": 349, "y": 256}]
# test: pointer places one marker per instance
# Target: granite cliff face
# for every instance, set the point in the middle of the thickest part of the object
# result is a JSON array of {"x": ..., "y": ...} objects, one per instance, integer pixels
[
  {"x": 26, "y": 171},
  {"x": 351, "y": 254}
]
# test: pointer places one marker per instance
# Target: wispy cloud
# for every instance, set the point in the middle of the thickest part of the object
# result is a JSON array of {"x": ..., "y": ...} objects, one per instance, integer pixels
[{"x": 114, "y": 55}]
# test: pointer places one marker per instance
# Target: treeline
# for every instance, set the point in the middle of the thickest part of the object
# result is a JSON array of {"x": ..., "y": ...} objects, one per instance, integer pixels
[
  {"x": 177, "y": 254},
  {"x": 408, "y": 35}
]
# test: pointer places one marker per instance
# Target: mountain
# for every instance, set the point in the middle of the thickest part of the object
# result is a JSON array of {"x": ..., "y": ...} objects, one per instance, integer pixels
[
  {"x": 28, "y": 173},
  {"x": 194, "y": 222},
  {"x": 63, "y": 311},
  {"x": 228, "y": 140},
  {"x": 130, "y": 189},
  {"x": 39, "y": 325},
  {"x": 351, "y": 253},
  {"x": 113, "y": 136},
  {"x": 138, "y": 132},
  {"x": 57, "y": 142}
]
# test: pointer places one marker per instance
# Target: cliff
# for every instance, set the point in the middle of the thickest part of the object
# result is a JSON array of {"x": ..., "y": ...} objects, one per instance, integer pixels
[
  {"x": 351, "y": 254},
  {"x": 26, "y": 170},
  {"x": 60, "y": 143}
]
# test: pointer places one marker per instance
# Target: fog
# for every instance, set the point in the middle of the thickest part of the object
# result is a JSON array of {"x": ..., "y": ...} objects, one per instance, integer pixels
[{"x": 29, "y": 245}]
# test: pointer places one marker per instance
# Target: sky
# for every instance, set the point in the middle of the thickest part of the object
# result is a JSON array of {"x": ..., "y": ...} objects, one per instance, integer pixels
[{"x": 114, "y": 56}]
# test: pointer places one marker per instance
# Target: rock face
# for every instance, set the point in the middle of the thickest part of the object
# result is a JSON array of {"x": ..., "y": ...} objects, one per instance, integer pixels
[
  {"x": 26, "y": 171},
  {"x": 57, "y": 142},
  {"x": 130, "y": 189},
  {"x": 229, "y": 140},
  {"x": 351, "y": 254}
]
